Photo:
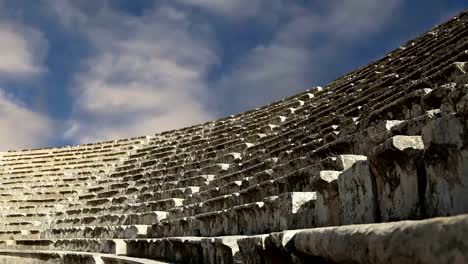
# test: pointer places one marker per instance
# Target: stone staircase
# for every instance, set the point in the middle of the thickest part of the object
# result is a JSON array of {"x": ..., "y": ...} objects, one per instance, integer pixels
[{"x": 371, "y": 168}]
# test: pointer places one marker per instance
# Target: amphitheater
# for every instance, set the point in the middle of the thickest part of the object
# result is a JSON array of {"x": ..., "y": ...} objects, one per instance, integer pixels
[{"x": 372, "y": 168}]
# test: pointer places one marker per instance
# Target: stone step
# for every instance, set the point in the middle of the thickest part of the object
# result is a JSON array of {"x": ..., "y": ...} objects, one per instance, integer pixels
[
  {"x": 17, "y": 234},
  {"x": 100, "y": 232},
  {"x": 19, "y": 217},
  {"x": 400, "y": 178},
  {"x": 145, "y": 218},
  {"x": 36, "y": 196},
  {"x": 275, "y": 213},
  {"x": 36, "y": 208},
  {"x": 423, "y": 241},
  {"x": 297, "y": 181},
  {"x": 445, "y": 163},
  {"x": 122, "y": 208},
  {"x": 74, "y": 244},
  {"x": 33, "y": 202},
  {"x": 256, "y": 185},
  {"x": 241, "y": 174},
  {"x": 144, "y": 197},
  {"x": 19, "y": 256}
]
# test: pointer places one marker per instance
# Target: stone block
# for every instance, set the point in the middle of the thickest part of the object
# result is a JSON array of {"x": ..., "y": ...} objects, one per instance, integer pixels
[
  {"x": 400, "y": 176},
  {"x": 446, "y": 158},
  {"x": 356, "y": 193},
  {"x": 327, "y": 205},
  {"x": 176, "y": 249},
  {"x": 439, "y": 240}
]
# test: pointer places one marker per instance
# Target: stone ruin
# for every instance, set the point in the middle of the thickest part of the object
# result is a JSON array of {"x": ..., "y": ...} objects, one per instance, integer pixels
[{"x": 372, "y": 168}]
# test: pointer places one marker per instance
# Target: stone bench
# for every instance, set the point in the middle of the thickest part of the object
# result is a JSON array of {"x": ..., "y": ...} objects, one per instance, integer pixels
[
  {"x": 20, "y": 234},
  {"x": 100, "y": 232},
  {"x": 417, "y": 241},
  {"x": 43, "y": 257},
  {"x": 293, "y": 210},
  {"x": 121, "y": 208},
  {"x": 144, "y": 218},
  {"x": 445, "y": 157}
]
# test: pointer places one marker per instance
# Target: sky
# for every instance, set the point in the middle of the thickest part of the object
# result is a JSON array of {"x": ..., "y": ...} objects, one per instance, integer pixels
[{"x": 81, "y": 71}]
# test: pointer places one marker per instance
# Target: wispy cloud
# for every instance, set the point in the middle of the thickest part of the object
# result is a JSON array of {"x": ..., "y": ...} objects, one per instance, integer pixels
[
  {"x": 22, "y": 53},
  {"x": 22, "y": 50},
  {"x": 151, "y": 73},
  {"x": 239, "y": 10},
  {"x": 21, "y": 127},
  {"x": 146, "y": 76},
  {"x": 292, "y": 60}
]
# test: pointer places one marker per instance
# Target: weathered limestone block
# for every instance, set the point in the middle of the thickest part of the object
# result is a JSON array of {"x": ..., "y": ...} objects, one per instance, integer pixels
[
  {"x": 186, "y": 226},
  {"x": 76, "y": 244},
  {"x": 216, "y": 223},
  {"x": 438, "y": 240},
  {"x": 446, "y": 158},
  {"x": 134, "y": 231},
  {"x": 357, "y": 199},
  {"x": 42, "y": 244},
  {"x": 414, "y": 126},
  {"x": 346, "y": 161},
  {"x": 406, "y": 107},
  {"x": 144, "y": 218},
  {"x": 327, "y": 206},
  {"x": 222, "y": 250},
  {"x": 277, "y": 248},
  {"x": 450, "y": 73},
  {"x": 290, "y": 211},
  {"x": 400, "y": 176},
  {"x": 449, "y": 103},
  {"x": 282, "y": 212},
  {"x": 433, "y": 100},
  {"x": 176, "y": 249},
  {"x": 231, "y": 157},
  {"x": 462, "y": 104},
  {"x": 381, "y": 127},
  {"x": 252, "y": 249}
]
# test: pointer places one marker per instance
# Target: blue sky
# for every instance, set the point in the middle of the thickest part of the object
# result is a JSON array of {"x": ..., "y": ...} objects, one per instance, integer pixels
[{"x": 82, "y": 71}]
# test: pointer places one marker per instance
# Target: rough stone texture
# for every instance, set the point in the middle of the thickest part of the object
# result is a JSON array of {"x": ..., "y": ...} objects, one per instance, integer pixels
[
  {"x": 446, "y": 157},
  {"x": 439, "y": 240},
  {"x": 356, "y": 195},
  {"x": 386, "y": 142},
  {"x": 327, "y": 205},
  {"x": 400, "y": 176},
  {"x": 53, "y": 257}
]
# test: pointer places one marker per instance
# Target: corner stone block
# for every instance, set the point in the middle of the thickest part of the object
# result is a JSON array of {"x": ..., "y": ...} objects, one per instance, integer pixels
[
  {"x": 356, "y": 194},
  {"x": 278, "y": 247},
  {"x": 327, "y": 205},
  {"x": 174, "y": 249},
  {"x": 221, "y": 250},
  {"x": 400, "y": 176},
  {"x": 252, "y": 249},
  {"x": 446, "y": 158}
]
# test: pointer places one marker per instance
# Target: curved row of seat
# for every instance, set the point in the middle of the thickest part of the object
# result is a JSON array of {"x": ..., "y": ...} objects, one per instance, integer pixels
[{"x": 317, "y": 176}]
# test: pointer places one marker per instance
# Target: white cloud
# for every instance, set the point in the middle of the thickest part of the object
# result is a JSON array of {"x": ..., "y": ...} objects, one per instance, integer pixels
[
  {"x": 235, "y": 9},
  {"x": 149, "y": 73},
  {"x": 20, "y": 127},
  {"x": 146, "y": 76},
  {"x": 356, "y": 18},
  {"x": 22, "y": 50},
  {"x": 292, "y": 61},
  {"x": 267, "y": 73}
]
